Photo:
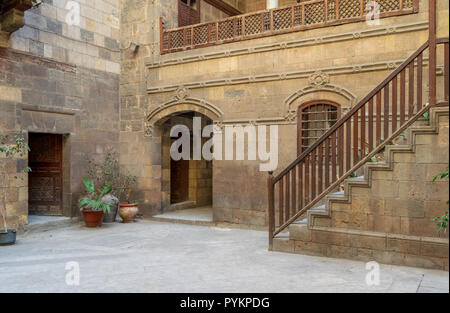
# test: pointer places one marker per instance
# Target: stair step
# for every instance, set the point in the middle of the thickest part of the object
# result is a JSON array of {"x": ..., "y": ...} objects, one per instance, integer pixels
[
  {"x": 337, "y": 193},
  {"x": 283, "y": 235},
  {"x": 301, "y": 222},
  {"x": 356, "y": 178},
  {"x": 318, "y": 208}
]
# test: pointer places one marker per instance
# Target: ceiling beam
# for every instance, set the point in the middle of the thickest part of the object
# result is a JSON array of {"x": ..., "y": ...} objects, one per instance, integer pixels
[{"x": 225, "y": 7}]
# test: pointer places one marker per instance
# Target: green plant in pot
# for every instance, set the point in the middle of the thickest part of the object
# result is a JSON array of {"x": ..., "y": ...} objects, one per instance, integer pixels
[
  {"x": 128, "y": 209},
  {"x": 9, "y": 151},
  {"x": 107, "y": 171},
  {"x": 103, "y": 173},
  {"x": 92, "y": 205}
]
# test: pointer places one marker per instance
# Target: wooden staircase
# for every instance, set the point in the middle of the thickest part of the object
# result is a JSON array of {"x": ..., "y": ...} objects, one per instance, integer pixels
[
  {"x": 393, "y": 107},
  {"x": 369, "y": 220}
]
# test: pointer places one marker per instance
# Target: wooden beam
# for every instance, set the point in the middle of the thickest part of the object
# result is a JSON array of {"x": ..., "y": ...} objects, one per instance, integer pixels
[{"x": 224, "y": 7}]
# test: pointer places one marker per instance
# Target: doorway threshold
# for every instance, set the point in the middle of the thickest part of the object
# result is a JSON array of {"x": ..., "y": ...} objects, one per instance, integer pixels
[
  {"x": 195, "y": 216},
  {"x": 45, "y": 223}
]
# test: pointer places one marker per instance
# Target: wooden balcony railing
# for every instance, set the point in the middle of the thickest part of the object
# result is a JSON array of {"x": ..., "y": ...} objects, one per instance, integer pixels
[{"x": 306, "y": 15}]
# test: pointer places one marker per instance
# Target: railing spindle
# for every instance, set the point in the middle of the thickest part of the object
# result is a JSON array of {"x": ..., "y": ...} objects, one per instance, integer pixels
[
  {"x": 394, "y": 103},
  {"x": 363, "y": 132},
  {"x": 300, "y": 186},
  {"x": 340, "y": 152},
  {"x": 281, "y": 200},
  {"x": 386, "y": 112},
  {"x": 294, "y": 191},
  {"x": 411, "y": 91},
  {"x": 419, "y": 82},
  {"x": 402, "y": 97},
  {"x": 355, "y": 138},
  {"x": 306, "y": 180},
  {"x": 313, "y": 174},
  {"x": 327, "y": 162},
  {"x": 378, "y": 119},
  {"x": 287, "y": 195},
  {"x": 370, "y": 124},
  {"x": 320, "y": 165},
  {"x": 333, "y": 158},
  {"x": 348, "y": 145}
]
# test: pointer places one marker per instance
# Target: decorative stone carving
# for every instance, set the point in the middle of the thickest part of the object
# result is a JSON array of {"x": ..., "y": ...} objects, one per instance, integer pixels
[
  {"x": 319, "y": 79},
  {"x": 181, "y": 93},
  {"x": 181, "y": 102},
  {"x": 148, "y": 129}
]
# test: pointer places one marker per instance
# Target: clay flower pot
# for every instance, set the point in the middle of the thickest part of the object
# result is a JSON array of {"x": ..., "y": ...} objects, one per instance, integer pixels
[
  {"x": 128, "y": 212},
  {"x": 93, "y": 218}
]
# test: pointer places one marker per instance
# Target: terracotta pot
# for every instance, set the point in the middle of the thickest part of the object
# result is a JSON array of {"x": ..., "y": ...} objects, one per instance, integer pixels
[
  {"x": 128, "y": 212},
  {"x": 93, "y": 218}
]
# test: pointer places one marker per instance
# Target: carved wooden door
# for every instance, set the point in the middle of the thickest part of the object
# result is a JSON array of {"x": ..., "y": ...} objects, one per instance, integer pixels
[
  {"x": 45, "y": 180},
  {"x": 188, "y": 12}
]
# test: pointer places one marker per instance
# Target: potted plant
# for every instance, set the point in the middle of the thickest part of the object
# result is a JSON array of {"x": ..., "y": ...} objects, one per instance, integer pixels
[
  {"x": 92, "y": 205},
  {"x": 128, "y": 210},
  {"x": 104, "y": 173},
  {"x": 18, "y": 149}
]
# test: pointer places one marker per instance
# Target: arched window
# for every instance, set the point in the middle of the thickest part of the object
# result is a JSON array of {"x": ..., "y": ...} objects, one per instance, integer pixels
[{"x": 314, "y": 119}]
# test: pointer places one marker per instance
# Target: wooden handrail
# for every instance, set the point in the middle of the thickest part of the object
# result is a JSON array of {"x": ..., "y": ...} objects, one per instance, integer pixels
[{"x": 356, "y": 108}]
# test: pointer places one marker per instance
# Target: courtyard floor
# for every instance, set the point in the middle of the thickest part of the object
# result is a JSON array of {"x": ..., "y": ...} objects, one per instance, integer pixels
[{"x": 165, "y": 257}]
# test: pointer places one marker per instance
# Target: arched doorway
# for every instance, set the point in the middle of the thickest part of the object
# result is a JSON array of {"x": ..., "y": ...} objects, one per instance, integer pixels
[
  {"x": 314, "y": 119},
  {"x": 186, "y": 183}
]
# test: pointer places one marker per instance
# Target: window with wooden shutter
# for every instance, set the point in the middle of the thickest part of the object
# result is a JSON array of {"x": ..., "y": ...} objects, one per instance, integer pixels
[{"x": 314, "y": 119}]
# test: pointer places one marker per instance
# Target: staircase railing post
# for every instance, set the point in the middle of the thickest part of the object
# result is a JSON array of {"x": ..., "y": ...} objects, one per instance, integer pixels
[
  {"x": 432, "y": 45},
  {"x": 271, "y": 193}
]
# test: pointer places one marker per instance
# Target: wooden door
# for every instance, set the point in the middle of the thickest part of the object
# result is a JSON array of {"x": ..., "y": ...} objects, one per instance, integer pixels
[
  {"x": 45, "y": 180},
  {"x": 188, "y": 12},
  {"x": 179, "y": 180}
]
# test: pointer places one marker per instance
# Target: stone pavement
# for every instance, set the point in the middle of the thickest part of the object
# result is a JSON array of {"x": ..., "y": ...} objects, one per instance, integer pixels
[{"x": 165, "y": 257}]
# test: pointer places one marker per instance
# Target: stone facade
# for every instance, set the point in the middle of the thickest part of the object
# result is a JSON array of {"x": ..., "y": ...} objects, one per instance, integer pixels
[
  {"x": 61, "y": 79},
  {"x": 259, "y": 81}
]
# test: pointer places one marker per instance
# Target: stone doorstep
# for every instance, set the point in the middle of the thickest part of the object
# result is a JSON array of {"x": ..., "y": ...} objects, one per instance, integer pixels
[
  {"x": 182, "y": 206},
  {"x": 49, "y": 225}
]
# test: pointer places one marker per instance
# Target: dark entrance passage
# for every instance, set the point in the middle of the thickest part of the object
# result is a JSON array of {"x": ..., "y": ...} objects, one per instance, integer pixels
[
  {"x": 45, "y": 180},
  {"x": 179, "y": 180}
]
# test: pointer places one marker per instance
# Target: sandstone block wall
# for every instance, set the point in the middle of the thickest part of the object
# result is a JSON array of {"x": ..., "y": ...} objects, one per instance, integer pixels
[{"x": 61, "y": 79}]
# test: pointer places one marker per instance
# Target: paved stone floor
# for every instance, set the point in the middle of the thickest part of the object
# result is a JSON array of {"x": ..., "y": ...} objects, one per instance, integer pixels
[{"x": 164, "y": 257}]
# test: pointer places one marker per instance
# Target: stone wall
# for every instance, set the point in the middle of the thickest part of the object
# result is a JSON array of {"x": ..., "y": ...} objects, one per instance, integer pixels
[
  {"x": 209, "y": 13},
  {"x": 259, "y": 81},
  {"x": 61, "y": 79},
  {"x": 257, "y": 5}
]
